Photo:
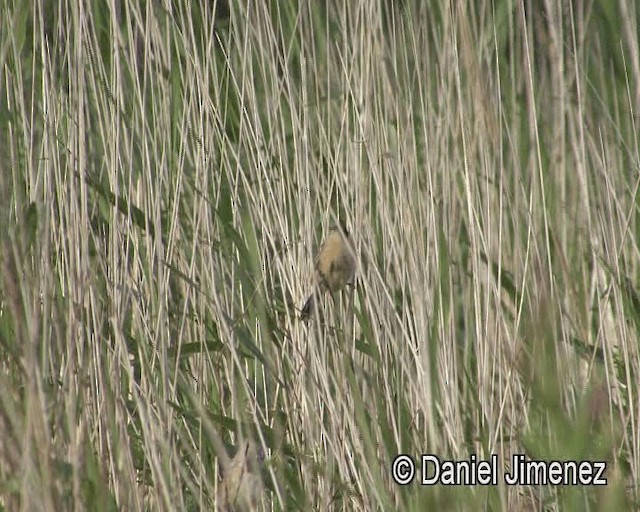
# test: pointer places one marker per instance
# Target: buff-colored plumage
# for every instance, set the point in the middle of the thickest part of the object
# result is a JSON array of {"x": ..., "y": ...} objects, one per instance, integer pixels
[
  {"x": 241, "y": 487},
  {"x": 335, "y": 267}
]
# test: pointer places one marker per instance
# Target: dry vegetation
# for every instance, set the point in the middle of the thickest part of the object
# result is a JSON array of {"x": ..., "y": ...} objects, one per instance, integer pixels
[{"x": 168, "y": 169}]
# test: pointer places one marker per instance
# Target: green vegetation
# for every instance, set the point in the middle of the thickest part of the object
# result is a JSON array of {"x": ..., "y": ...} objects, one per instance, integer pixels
[{"x": 167, "y": 170}]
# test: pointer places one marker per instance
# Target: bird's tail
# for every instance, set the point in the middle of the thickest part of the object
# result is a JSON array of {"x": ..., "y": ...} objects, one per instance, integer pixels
[{"x": 308, "y": 307}]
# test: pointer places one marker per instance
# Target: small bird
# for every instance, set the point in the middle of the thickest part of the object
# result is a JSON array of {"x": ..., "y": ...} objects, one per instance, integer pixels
[
  {"x": 242, "y": 485},
  {"x": 335, "y": 267}
]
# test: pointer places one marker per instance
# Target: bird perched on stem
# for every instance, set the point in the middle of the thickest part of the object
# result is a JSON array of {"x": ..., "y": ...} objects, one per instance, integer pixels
[
  {"x": 335, "y": 267},
  {"x": 242, "y": 484}
]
